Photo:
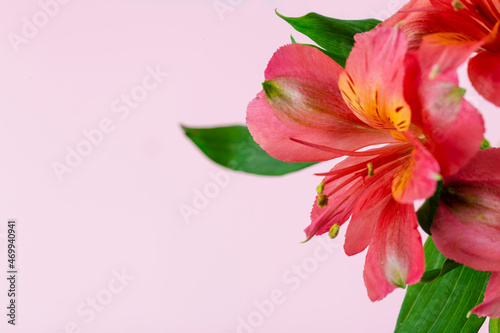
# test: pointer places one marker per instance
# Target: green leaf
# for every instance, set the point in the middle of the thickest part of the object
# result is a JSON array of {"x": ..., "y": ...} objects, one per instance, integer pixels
[
  {"x": 494, "y": 325},
  {"x": 319, "y": 48},
  {"x": 425, "y": 214},
  {"x": 434, "y": 274},
  {"x": 443, "y": 305},
  {"x": 485, "y": 144},
  {"x": 233, "y": 147},
  {"x": 333, "y": 35}
]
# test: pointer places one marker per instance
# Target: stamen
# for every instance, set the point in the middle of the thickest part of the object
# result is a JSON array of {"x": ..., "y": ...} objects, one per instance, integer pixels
[
  {"x": 328, "y": 216},
  {"x": 355, "y": 190},
  {"x": 322, "y": 201},
  {"x": 370, "y": 152},
  {"x": 370, "y": 169},
  {"x": 334, "y": 231},
  {"x": 358, "y": 188},
  {"x": 320, "y": 188},
  {"x": 394, "y": 155},
  {"x": 457, "y": 5}
]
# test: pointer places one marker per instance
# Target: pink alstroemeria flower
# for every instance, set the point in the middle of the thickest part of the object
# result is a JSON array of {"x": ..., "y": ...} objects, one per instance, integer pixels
[
  {"x": 466, "y": 226},
  {"x": 311, "y": 109},
  {"x": 457, "y": 29}
]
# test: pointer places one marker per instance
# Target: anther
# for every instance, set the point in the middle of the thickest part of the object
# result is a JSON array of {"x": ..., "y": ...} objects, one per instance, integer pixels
[
  {"x": 457, "y": 5},
  {"x": 334, "y": 231},
  {"x": 320, "y": 188},
  {"x": 370, "y": 169},
  {"x": 322, "y": 201}
]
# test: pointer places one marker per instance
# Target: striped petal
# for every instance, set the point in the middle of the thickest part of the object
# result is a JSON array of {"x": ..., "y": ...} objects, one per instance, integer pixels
[
  {"x": 300, "y": 114},
  {"x": 417, "y": 177},
  {"x": 395, "y": 256},
  {"x": 466, "y": 226},
  {"x": 490, "y": 306},
  {"x": 484, "y": 73},
  {"x": 372, "y": 83}
]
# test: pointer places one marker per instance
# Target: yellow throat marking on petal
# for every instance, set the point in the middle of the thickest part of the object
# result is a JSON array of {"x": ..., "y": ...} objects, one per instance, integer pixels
[
  {"x": 413, "y": 131},
  {"x": 402, "y": 178},
  {"x": 399, "y": 136},
  {"x": 404, "y": 175},
  {"x": 375, "y": 109}
]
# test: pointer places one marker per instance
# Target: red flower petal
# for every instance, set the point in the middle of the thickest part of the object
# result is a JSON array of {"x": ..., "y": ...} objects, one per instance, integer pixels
[
  {"x": 453, "y": 139},
  {"x": 491, "y": 304},
  {"x": 342, "y": 192},
  {"x": 417, "y": 177},
  {"x": 441, "y": 53},
  {"x": 395, "y": 256},
  {"x": 363, "y": 222},
  {"x": 367, "y": 212},
  {"x": 372, "y": 84},
  {"x": 302, "y": 111},
  {"x": 466, "y": 226},
  {"x": 351, "y": 188},
  {"x": 423, "y": 17},
  {"x": 484, "y": 73}
]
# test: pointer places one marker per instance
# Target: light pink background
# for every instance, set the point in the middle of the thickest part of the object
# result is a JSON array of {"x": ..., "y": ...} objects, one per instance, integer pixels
[{"x": 120, "y": 208}]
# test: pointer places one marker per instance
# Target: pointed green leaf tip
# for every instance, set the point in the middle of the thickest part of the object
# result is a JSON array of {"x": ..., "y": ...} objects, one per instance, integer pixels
[
  {"x": 233, "y": 147},
  {"x": 333, "y": 36},
  {"x": 434, "y": 274}
]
